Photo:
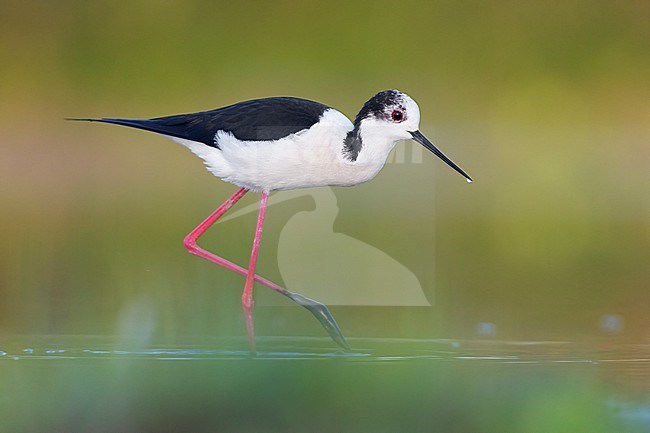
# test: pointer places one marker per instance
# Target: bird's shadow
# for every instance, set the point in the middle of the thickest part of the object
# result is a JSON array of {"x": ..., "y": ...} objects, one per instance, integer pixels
[{"x": 335, "y": 268}]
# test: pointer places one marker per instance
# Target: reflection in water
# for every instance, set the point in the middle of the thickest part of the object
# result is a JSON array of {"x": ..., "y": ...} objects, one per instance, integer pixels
[
  {"x": 522, "y": 387},
  {"x": 623, "y": 357}
]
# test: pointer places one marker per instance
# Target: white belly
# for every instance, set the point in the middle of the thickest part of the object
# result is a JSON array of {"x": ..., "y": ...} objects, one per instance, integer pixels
[{"x": 309, "y": 158}]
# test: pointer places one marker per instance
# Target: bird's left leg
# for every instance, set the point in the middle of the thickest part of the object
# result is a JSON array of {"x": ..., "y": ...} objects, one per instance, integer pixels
[
  {"x": 320, "y": 311},
  {"x": 247, "y": 296}
]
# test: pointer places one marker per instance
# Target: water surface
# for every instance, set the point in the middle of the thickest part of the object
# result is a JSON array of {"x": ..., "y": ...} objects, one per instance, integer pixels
[{"x": 96, "y": 383}]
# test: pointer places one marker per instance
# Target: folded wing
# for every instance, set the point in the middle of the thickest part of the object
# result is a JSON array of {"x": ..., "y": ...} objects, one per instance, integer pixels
[{"x": 255, "y": 120}]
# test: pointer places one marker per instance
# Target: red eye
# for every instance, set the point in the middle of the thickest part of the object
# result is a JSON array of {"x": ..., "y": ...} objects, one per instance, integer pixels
[{"x": 397, "y": 116}]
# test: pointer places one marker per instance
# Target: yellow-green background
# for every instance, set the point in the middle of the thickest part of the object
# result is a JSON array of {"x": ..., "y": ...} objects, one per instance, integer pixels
[{"x": 545, "y": 104}]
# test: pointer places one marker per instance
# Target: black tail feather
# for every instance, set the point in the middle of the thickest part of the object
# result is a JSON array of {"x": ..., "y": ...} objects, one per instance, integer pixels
[{"x": 144, "y": 124}]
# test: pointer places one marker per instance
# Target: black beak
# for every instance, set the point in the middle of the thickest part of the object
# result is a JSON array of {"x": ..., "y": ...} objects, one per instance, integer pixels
[{"x": 417, "y": 136}]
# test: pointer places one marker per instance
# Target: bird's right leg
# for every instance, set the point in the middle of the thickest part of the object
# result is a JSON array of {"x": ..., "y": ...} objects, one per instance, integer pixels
[
  {"x": 193, "y": 248},
  {"x": 320, "y": 311},
  {"x": 190, "y": 239}
]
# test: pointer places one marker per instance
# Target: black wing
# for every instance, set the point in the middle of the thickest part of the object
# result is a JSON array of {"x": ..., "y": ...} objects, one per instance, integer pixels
[{"x": 255, "y": 120}]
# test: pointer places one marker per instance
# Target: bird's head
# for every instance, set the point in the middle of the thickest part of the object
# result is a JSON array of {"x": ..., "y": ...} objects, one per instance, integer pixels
[
  {"x": 390, "y": 113},
  {"x": 394, "y": 116}
]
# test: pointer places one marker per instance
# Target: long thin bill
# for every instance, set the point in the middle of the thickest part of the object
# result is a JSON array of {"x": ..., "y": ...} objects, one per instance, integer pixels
[{"x": 417, "y": 136}]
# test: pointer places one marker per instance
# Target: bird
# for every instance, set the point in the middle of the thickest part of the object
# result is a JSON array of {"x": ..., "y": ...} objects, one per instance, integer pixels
[{"x": 283, "y": 143}]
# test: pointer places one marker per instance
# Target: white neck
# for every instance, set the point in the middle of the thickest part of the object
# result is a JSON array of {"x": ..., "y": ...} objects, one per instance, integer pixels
[
  {"x": 375, "y": 148},
  {"x": 375, "y": 145}
]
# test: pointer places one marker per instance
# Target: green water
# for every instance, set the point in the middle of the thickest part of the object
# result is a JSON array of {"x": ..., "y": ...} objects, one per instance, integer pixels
[{"x": 86, "y": 383}]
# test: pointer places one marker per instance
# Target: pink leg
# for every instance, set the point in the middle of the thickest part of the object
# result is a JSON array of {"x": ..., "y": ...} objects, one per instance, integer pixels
[
  {"x": 247, "y": 296},
  {"x": 319, "y": 310},
  {"x": 193, "y": 248}
]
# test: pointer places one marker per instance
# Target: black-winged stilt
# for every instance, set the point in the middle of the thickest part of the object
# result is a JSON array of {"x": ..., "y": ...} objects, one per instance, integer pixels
[{"x": 282, "y": 143}]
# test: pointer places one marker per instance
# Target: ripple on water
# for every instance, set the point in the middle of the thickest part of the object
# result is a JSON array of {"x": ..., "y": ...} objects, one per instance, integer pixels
[{"x": 365, "y": 349}]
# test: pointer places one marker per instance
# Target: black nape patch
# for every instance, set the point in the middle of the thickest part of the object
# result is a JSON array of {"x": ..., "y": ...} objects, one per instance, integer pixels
[{"x": 352, "y": 144}]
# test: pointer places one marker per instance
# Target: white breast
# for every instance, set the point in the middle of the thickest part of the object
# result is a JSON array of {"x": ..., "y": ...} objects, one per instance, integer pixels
[{"x": 309, "y": 158}]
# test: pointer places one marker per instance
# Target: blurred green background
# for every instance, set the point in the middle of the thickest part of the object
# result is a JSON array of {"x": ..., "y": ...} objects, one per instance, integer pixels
[{"x": 545, "y": 104}]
